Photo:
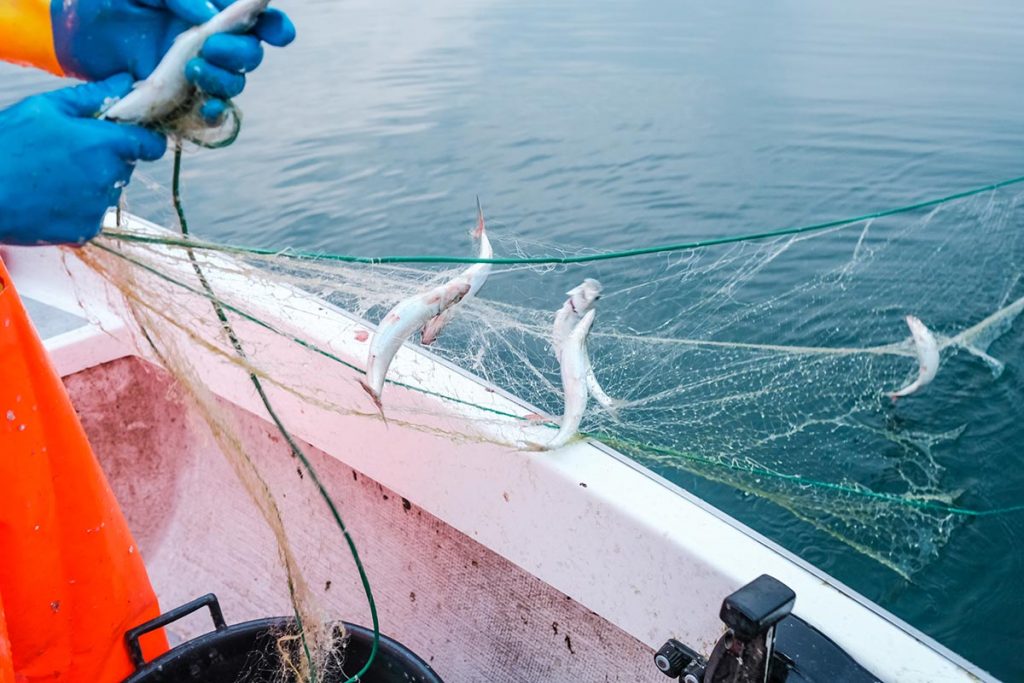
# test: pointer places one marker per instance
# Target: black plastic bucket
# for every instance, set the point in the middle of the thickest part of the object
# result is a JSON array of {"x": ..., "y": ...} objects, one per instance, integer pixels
[{"x": 247, "y": 652}]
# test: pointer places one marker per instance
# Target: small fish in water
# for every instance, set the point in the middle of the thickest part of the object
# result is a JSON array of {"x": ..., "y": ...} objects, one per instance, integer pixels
[
  {"x": 581, "y": 298},
  {"x": 927, "y": 356},
  {"x": 574, "y": 365},
  {"x": 167, "y": 90},
  {"x": 475, "y": 275},
  {"x": 398, "y": 325}
]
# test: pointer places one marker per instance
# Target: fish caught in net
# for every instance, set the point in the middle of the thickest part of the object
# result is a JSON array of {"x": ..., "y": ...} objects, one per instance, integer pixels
[{"x": 753, "y": 373}]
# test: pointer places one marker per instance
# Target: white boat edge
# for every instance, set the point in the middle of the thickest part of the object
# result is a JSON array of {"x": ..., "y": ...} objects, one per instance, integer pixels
[{"x": 531, "y": 508}]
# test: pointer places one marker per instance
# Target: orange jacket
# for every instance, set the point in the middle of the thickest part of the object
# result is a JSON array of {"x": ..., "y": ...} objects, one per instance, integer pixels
[
  {"x": 26, "y": 34},
  {"x": 72, "y": 579}
]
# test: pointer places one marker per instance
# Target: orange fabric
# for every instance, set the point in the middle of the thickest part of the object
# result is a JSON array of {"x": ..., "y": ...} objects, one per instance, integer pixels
[
  {"x": 6, "y": 662},
  {"x": 71, "y": 577},
  {"x": 26, "y": 34}
]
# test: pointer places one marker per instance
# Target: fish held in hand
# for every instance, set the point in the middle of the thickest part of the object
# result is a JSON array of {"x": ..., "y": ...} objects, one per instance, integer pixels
[
  {"x": 166, "y": 91},
  {"x": 476, "y": 275},
  {"x": 927, "y": 350},
  {"x": 398, "y": 325}
]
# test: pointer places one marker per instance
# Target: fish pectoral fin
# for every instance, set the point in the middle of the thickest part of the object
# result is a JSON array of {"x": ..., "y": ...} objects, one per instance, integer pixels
[{"x": 432, "y": 328}]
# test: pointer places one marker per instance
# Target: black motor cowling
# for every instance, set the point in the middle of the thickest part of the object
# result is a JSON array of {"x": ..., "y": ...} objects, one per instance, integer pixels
[{"x": 763, "y": 642}]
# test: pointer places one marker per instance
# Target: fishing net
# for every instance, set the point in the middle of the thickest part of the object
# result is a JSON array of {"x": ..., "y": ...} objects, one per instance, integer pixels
[
  {"x": 315, "y": 643},
  {"x": 754, "y": 373}
]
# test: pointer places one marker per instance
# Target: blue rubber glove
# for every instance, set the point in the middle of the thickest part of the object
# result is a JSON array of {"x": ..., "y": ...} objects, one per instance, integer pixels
[
  {"x": 60, "y": 168},
  {"x": 96, "y": 39}
]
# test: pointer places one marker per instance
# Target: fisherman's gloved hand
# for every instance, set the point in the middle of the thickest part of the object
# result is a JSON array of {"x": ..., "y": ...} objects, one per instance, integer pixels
[
  {"x": 96, "y": 39},
  {"x": 61, "y": 168}
]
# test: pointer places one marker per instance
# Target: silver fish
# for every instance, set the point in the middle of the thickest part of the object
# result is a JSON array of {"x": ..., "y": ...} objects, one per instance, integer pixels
[
  {"x": 927, "y": 357},
  {"x": 580, "y": 300},
  {"x": 398, "y": 325},
  {"x": 574, "y": 366},
  {"x": 476, "y": 275},
  {"x": 166, "y": 89}
]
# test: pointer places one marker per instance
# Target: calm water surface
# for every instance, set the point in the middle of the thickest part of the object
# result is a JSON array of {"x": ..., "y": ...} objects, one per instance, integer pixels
[{"x": 607, "y": 125}]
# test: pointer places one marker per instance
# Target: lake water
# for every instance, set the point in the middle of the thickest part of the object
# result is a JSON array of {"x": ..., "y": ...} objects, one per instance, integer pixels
[{"x": 608, "y": 125}]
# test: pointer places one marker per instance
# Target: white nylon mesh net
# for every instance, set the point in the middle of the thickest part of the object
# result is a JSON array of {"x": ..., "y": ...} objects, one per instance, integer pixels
[{"x": 762, "y": 366}]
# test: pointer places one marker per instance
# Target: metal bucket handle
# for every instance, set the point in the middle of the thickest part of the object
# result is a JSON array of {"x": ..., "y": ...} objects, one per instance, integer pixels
[{"x": 131, "y": 637}]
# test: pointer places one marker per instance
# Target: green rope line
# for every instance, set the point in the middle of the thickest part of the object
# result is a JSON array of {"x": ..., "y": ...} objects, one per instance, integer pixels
[
  {"x": 552, "y": 260},
  {"x": 237, "y": 345},
  {"x": 296, "y": 450},
  {"x": 607, "y": 439}
]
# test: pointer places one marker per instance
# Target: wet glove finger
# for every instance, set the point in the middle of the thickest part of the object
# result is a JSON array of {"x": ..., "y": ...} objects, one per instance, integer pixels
[
  {"x": 213, "y": 79},
  {"x": 213, "y": 110},
  {"x": 131, "y": 143},
  {"x": 89, "y": 98},
  {"x": 274, "y": 28},
  {"x": 231, "y": 52}
]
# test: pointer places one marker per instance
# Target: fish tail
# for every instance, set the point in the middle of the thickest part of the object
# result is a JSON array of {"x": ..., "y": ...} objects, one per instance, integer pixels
[
  {"x": 376, "y": 399},
  {"x": 480, "y": 226},
  {"x": 908, "y": 390}
]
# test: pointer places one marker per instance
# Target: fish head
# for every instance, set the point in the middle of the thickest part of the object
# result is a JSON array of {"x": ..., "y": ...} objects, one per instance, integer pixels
[
  {"x": 583, "y": 296},
  {"x": 236, "y": 17},
  {"x": 918, "y": 329}
]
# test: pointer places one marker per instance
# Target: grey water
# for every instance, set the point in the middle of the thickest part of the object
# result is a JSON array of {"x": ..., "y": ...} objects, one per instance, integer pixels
[{"x": 608, "y": 125}]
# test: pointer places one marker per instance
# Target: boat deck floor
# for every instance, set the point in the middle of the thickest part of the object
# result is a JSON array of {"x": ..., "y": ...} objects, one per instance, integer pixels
[{"x": 469, "y": 612}]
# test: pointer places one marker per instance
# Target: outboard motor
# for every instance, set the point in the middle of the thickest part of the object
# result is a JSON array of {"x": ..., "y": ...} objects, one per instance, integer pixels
[{"x": 764, "y": 643}]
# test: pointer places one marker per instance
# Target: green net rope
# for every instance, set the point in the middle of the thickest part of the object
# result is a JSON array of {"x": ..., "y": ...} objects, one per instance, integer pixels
[
  {"x": 558, "y": 260},
  {"x": 611, "y": 441}
]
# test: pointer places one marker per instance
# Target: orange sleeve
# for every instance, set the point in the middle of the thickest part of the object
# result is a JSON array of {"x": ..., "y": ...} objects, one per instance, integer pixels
[
  {"x": 26, "y": 34},
  {"x": 71, "y": 577}
]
